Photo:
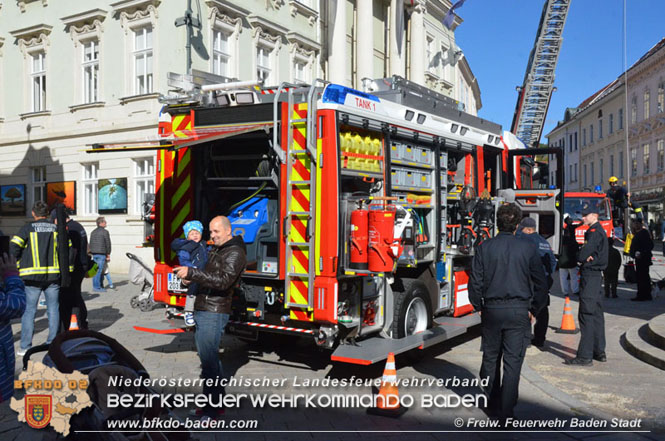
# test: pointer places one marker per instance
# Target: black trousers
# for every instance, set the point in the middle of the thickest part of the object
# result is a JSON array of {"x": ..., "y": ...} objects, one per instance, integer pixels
[
  {"x": 590, "y": 316},
  {"x": 540, "y": 327},
  {"x": 611, "y": 283},
  {"x": 506, "y": 332},
  {"x": 71, "y": 301},
  {"x": 643, "y": 280}
]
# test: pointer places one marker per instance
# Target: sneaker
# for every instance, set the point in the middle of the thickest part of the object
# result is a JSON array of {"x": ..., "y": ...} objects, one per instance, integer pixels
[
  {"x": 21, "y": 352},
  {"x": 189, "y": 319},
  {"x": 112, "y": 287},
  {"x": 99, "y": 290},
  {"x": 600, "y": 357},
  {"x": 42, "y": 303}
]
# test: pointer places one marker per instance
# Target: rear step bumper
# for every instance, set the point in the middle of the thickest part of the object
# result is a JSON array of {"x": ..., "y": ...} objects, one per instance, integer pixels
[{"x": 375, "y": 349}]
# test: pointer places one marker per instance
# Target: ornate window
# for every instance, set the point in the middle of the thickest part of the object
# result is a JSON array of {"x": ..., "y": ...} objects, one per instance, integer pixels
[
  {"x": 647, "y": 102},
  {"x": 85, "y": 29},
  {"x": 33, "y": 43},
  {"x": 226, "y": 27},
  {"x": 267, "y": 37},
  {"x": 661, "y": 156},
  {"x": 661, "y": 97},
  {"x": 139, "y": 20},
  {"x": 38, "y": 81},
  {"x": 645, "y": 158}
]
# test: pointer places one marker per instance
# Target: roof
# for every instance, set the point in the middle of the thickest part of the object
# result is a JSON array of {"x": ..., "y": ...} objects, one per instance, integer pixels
[{"x": 656, "y": 47}]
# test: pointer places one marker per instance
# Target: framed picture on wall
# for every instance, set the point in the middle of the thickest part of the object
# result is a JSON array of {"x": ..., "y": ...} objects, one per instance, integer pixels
[
  {"x": 12, "y": 200},
  {"x": 112, "y": 196},
  {"x": 61, "y": 192}
]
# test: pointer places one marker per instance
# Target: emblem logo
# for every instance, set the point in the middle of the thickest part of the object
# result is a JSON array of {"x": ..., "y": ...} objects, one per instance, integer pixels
[{"x": 38, "y": 410}]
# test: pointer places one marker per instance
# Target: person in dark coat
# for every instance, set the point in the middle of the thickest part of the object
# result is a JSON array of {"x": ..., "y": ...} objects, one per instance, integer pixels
[
  {"x": 509, "y": 287},
  {"x": 527, "y": 231},
  {"x": 593, "y": 258},
  {"x": 71, "y": 300},
  {"x": 611, "y": 274},
  {"x": 568, "y": 271},
  {"x": 217, "y": 282},
  {"x": 640, "y": 250}
]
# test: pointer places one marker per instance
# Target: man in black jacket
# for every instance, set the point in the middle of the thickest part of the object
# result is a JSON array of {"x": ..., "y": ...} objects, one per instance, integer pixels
[
  {"x": 509, "y": 287},
  {"x": 640, "y": 250},
  {"x": 70, "y": 296},
  {"x": 593, "y": 256},
  {"x": 568, "y": 272},
  {"x": 35, "y": 247},
  {"x": 226, "y": 262}
]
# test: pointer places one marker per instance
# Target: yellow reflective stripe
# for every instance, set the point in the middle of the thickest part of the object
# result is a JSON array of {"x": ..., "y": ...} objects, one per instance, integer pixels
[
  {"x": 71, "y": 268},
  {"x": 179, "y": 219},
  {"x": 34, "y": 271},
  {"x": 34, "y": 250},
  {"x": 56, "y": 261},
  {"x": 18, "y": 241}
]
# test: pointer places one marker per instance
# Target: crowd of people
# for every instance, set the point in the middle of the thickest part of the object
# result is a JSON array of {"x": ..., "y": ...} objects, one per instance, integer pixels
[
  {"x": 49, "y": 256},
  {"x": 510, "y": 301}
]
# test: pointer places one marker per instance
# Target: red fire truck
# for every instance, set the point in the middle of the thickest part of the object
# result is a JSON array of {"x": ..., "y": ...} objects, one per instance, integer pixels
[
  {"x": 573, "y": 203},
  {"x": 360, "y": 210}
]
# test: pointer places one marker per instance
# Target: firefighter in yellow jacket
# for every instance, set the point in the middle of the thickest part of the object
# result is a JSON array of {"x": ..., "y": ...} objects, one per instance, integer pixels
[{"x": 35, "y": 247}]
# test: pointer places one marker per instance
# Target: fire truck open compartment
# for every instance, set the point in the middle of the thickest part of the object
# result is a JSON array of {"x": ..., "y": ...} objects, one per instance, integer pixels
[{"x": 238, "y": 177}]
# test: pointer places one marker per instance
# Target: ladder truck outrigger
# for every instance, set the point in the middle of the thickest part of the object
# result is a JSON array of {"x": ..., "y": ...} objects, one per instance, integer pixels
[{"x": 360, "y": 210}]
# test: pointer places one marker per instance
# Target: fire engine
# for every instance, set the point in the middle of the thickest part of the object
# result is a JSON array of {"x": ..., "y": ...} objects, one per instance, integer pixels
[
  {"x": 574, "y": 201},
  {"x": 360, "y": 210}
]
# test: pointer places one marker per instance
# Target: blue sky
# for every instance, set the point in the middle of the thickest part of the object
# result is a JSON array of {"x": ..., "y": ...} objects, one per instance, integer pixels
[{"x": 497, "y": 36}]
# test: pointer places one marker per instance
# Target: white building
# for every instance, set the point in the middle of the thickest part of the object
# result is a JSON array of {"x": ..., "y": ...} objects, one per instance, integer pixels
[{"x": 75, "y": 73}]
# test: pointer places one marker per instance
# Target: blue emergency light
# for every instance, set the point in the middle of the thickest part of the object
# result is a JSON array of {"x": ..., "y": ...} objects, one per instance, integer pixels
[{"x": 336, "y": 94}]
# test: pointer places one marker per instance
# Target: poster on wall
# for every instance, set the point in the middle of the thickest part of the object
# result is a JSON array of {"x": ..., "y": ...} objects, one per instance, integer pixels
[
  {"x": 62, "y": 192},
  {"x": 12, "y": 200},
  {"x": 112, "y": 196}
]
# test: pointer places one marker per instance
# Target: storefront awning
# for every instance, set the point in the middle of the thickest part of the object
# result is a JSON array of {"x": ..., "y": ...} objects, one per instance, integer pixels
[{"x": 180, "y": 139}]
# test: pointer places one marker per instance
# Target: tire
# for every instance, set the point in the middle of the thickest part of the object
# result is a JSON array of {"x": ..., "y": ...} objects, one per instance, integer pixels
[
  {"x": 145, "y": 305},
  {"x": 413, "y": 312},
  {"x": 134, "y": 302}
]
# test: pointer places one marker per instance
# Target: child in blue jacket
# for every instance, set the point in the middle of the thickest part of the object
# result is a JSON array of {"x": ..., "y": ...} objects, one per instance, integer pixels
[{"x": 193, "y": 253}]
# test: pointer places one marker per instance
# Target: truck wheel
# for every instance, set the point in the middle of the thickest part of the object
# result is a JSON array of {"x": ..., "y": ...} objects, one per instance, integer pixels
[{"x": 413, "y": 313}]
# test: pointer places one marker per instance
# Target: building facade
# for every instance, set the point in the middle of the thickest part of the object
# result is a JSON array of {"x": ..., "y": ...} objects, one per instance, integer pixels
[
  {"x": 73, "y": 74},
  {"x": 646, "y": 133},
  {"x": 566, "y": 137},
  {"x": 599, "y": 122}
]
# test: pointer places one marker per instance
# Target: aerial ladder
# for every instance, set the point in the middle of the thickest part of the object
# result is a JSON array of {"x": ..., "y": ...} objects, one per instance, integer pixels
[{"x": 536, "y": 90}]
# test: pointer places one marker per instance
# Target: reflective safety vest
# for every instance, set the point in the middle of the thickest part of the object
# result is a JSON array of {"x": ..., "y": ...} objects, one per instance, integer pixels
[{"x": 35, "y": 247}]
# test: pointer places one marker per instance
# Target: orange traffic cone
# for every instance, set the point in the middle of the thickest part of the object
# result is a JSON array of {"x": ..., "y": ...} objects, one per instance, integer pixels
[
  {"x": 73, "y": 323},
  {"x": 567, "y": 321},
  {"x": 387, "y": 402}
]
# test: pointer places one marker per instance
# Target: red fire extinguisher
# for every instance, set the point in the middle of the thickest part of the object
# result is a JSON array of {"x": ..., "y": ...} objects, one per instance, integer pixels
[
  {"x": 381, "y": 237},
  {"x": 359, "y": 237}
]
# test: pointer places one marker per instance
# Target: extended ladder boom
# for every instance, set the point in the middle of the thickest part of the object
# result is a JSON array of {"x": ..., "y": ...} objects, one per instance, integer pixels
[{"x": 536, "y": 91}]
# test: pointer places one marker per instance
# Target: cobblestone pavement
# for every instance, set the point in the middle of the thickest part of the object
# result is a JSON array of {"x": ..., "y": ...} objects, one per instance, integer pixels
[{"x": 623, "y": 387}]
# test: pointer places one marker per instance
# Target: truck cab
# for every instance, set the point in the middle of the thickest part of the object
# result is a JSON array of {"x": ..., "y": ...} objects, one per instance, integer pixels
[{"x": 573, "y": 203}]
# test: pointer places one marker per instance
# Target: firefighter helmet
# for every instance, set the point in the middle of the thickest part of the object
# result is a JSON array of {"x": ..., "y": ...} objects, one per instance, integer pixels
[{"x": 613, "y": 179}]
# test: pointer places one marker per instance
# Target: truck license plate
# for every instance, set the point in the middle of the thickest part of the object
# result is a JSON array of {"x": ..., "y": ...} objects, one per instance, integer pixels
[{"x": 175, "y": 284}]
